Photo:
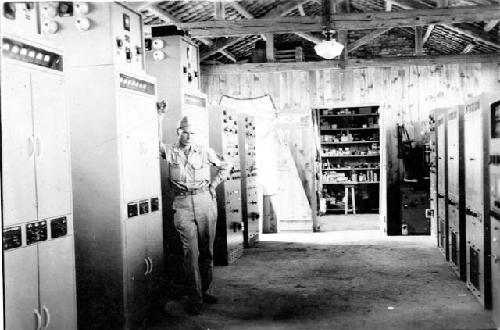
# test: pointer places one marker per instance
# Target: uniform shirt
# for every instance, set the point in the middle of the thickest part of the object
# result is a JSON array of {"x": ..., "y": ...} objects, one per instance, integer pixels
[{"x": 193, "y": 171}]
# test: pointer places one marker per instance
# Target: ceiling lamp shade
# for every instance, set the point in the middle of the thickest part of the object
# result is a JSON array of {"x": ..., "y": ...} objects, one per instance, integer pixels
[{"x": 329, "y": 49}]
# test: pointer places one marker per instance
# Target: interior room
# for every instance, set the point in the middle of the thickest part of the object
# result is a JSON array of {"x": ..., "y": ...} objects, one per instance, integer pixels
[{"x": 250, "y": 164}]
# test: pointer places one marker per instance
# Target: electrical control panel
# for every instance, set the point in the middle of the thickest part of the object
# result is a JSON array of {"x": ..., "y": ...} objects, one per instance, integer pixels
[
  {"x": 174, "y": 61},
  {"x": 250, "y": 192},
  {"x": 477, "y": 219},
  {"x": 456, "y": 191},
  {"x": 179, "y": 55},
  {"x": 39, "y": 260},
  {"x": 432, "y": 214},
  {"x": 442, "y": 180},
  {"x": 493, "y": 109},
  {"x": 224, "y": 140},
  {"x": 95, "y": 33}
]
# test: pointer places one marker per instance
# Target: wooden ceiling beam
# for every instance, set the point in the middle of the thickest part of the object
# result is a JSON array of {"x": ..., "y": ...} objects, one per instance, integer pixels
[
  {"x": 490, "y": 25},
  {"x": 366, "y": 39},
  {"x": 166, "y": 17},
  {"x": 350, "y": 63},
  {"x": 242, "y": 10},
  {"x": 470, "y": 32},
  {"x": 427, "y": 33},
  {"x": 228, "y": 55},
  {"x": 342, "y": 21},
  {"x": 285, "y": 9},
  {"x": 467, "y": 49},
  {"x": 218, "y": 46}
]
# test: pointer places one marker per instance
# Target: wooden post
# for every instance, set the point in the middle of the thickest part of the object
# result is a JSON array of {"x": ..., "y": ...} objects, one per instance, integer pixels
[
  {"x": 270, "y": 47},
  {"x": 388, "y": 5},
  {"x": 443, "y": 3},
  {"x": 299, "y": 55},
  {"x": 342, "y": 38},
  {"x": 219, "y": 10},
  {"x": 419, "y": 44}
]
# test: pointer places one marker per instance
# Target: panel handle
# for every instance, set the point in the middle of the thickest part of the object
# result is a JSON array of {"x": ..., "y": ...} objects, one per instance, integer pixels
[
  {"x": 39, "y": 147},
  {"x": 47, "y": 317},
  {"x": 151, "y": 263},
  {"x": 38, "y": 319},
  {"x": 31, "y": 146},
  {"x": 147, "y": 266}
]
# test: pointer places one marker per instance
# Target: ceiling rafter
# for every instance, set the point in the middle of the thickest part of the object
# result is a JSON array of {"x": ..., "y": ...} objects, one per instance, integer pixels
[
  {"x": 276, "y": 12},
  {"x": 342, "y": 21},
  {"x": 474, "y": 34}
]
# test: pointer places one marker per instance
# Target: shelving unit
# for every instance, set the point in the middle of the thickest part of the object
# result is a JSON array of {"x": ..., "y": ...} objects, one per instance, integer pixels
[{"x": 349, "y": 155}]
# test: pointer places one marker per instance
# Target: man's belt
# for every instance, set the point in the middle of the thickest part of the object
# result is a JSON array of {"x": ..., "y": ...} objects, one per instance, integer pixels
[{"x": 190, "y": 191}]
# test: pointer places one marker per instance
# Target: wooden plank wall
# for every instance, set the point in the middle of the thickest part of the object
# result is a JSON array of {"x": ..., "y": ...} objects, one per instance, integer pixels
[{"x": 405, "y": 94}]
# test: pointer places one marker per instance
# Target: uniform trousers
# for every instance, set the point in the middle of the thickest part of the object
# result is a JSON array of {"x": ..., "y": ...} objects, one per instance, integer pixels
[{"x": 195, "y": 219}]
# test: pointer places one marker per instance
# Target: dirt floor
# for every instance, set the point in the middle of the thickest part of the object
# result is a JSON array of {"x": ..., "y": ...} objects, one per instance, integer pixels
[{"x": 341, "y": 279}]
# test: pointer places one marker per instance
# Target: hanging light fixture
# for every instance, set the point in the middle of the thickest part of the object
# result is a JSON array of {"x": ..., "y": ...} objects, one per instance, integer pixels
[{"x": 329, "y": 48}]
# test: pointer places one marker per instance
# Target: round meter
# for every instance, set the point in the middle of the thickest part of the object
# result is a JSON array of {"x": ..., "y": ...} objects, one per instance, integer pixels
[
  {"x": 158, "y": 44},
  {"x": 158, "y": 55}
]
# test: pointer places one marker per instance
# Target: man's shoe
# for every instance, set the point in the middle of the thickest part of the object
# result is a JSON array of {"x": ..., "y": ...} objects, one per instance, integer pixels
[
  {"x": 192, "y": 309},
  {"x": 209, "y": 299}
]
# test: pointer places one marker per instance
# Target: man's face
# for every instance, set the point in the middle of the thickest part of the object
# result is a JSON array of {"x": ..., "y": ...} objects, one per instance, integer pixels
[{"x": 185, "y": 137}]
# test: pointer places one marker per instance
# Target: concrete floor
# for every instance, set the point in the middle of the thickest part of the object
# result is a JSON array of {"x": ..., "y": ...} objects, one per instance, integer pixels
[{"x": 343, "y": 279}]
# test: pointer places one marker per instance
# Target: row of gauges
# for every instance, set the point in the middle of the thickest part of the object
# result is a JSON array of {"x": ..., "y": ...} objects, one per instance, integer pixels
[
  {"x": 143, "y": 207},
  {"x": 30, "y": 54},
  {"x": 50, "y": 10},
  {"x": 136, "y": 84},
  {"x": 35, "y": 232}
]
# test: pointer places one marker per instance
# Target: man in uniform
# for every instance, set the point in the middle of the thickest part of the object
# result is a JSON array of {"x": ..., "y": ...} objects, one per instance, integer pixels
[{"x": 194, "y": 209}]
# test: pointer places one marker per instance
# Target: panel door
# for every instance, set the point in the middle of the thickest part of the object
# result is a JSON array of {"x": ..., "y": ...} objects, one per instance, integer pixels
[
  {"x": 136, "y": 268},
  {"x": 18, "y": 166},
  {"x": 139, "y": 139},
  {"x": 53, "y": 168},
  {"x": 154, "y": 244},
  {"x": 441, "y": 159},
  {"x": 453, "y": 161},
  {"x": 57, "y": 283},
  {"x": 21, "y": 288},
  {"x": 473, "y": 161}
]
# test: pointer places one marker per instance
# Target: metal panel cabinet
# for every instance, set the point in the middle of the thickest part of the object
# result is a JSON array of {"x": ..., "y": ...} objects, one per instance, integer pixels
[
  {"x": 18, "y": 147},
  {"x": 477, "y": 221},
  {"x": 57, "y": 287},
  {"x": 493, "y": 110},
  {"x": 456, "y": 192},
  {"x": 228, "y": 244},
  {"x": 433, "y": 176},
  {"x": 38, "y": 249},
  {"x": 442, "y": 182},
  {"x": 154, "y": 247},
  {"x": 249, "y": 189},
  {"x": 137, "y": 267},
  {"x": 21, "y": 289},
  {"x": 52, "y": 157}
]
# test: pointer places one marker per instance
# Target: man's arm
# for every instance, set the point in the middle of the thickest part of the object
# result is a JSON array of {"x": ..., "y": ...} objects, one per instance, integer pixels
[
  {"x": 163, "y": 150},
  {"x": 223, "y": 166}
]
